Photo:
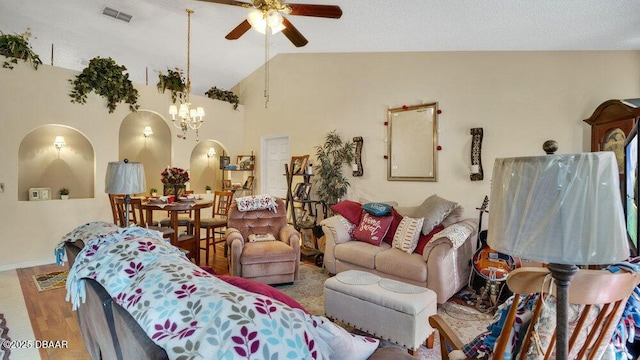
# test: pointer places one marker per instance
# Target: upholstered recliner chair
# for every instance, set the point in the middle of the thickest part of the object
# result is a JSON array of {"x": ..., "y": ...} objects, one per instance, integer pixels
[{"x": 269, "y": 262}]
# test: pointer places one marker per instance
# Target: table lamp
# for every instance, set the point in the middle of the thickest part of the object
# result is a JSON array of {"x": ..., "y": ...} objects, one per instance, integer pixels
[
  {"x": 124, "y": 177},
  {"x": 564, "y": 210}
]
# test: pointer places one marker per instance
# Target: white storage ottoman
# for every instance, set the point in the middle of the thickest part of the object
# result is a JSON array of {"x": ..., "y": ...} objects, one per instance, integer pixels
[{"x": 385, "y": 308}]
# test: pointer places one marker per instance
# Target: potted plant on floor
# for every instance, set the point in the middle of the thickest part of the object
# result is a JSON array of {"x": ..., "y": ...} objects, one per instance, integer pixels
[
  {"x": 64, "y": 193},
  {"x": 207, "y": 189},
  {"x": 331, "y": 184}
]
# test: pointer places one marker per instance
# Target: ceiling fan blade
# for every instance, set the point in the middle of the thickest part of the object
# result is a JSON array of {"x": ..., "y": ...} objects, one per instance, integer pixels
[
  {"x": 324, "y": 11},
  {"x": 238, "y": 31},
  {"x": 293, "y": 34},
  {"x": 229, "y": 2}
]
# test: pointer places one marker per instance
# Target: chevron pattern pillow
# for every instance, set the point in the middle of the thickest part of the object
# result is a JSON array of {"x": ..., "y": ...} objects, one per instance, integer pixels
[{"x": 407, "y": 234}]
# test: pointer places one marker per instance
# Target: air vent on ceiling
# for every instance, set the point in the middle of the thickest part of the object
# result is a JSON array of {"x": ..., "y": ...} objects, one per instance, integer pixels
[{"x": 116, "y": 14}]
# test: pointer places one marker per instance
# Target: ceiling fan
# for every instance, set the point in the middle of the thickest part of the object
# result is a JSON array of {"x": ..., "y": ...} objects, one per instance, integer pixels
[{"x": 268, "y": 14}]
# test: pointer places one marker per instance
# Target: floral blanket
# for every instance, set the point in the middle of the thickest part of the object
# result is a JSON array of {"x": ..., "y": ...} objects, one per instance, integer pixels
[
  {"x": 257, "y": 202},
  {"x": 187, "y": 311}
]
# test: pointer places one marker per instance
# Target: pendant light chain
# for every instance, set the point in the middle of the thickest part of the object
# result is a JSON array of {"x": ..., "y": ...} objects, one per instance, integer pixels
[
  {"x": 189, "y": 12},
  {"x": 266, "y": 67}
]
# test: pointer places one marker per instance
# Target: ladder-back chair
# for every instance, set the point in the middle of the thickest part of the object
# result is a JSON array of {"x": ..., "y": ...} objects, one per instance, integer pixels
[
  {"x": 136, "y": 216},
  {"x": 599, "y": 294},
  {"x": 217, "y": 223}
]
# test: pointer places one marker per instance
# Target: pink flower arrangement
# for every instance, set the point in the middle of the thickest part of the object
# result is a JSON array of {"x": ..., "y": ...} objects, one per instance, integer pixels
[{"x": 174, "y": 176}]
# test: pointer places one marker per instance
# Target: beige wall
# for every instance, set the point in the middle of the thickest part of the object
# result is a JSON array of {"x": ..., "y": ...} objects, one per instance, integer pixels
[
  {"x": 520, "y": 99},
  {"x": 31, "y": 99}
]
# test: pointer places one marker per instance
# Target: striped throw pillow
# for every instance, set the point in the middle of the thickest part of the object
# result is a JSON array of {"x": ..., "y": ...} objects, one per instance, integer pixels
[{"x": 407, "y": 234}]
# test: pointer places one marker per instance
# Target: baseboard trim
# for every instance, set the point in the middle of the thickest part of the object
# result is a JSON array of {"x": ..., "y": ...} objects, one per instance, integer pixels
[{"x": 26, "y": 264}]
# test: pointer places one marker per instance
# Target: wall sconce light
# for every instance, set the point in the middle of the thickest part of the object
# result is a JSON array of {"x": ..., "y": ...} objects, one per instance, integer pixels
[
  {"x": 59, "y": 143},
  {"x": 357, "y": 168},
  {"x": 476, "y": 151},
  {"x": 148, "y": 131},
  {"x": 211, "y": 152}
]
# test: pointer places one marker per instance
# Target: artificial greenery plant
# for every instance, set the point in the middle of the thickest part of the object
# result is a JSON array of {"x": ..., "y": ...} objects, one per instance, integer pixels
[
  {"x": 331, "y": 184},
  {"x": 224, "y": 95},
  {"x": 107, "y": 79},
  {"x": 64, "y": 191},
  {"x": 173, "y": 81},
  {"x": 16, "y": 47}
]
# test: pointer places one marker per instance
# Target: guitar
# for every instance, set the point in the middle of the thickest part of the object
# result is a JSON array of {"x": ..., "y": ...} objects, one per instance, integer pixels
[{"x": 488, "y": 263}]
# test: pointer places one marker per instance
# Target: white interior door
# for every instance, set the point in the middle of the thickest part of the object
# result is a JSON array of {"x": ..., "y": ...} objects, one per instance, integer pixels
[{"x": 275, "y": 153}]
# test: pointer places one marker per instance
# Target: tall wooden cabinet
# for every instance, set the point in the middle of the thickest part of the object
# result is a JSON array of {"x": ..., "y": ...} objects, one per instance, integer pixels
[{"x": 611, "y": 123}]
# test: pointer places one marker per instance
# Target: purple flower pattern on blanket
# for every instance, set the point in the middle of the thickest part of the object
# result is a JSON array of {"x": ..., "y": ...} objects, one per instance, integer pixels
[{"x": 185, "y": 310}]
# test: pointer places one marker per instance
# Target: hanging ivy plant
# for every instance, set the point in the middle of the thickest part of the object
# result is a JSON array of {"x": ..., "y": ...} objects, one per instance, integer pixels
[
  {"x": 174, "y": 81},
  {"x": 17, "y": 47},
  {"x": 224, "y": 95},
  {"x": 107, "y": 79}
]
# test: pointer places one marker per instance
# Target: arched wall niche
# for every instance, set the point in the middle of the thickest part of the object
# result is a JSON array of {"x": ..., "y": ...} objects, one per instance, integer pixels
[
  {"x": 205, "y": 170},
  {"x": 154, "y": 151},
  {"x": 41, "y": 165}
]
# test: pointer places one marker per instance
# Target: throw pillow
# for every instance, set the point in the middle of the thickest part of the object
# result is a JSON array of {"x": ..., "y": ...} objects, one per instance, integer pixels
[
  {"x": 394, "y": 226},
  {"x": 345, "y": 345},
  {"x": 262, "y": 289},
  {"x": 261, "y": 237},
  {"x": 349, "y": 209},
  {"x": 377, "y": 209},
  {"x": 423, "y": 240},
  {"x": 434, "y": 209},
  {"x": 372, "y": 229},
  {"x": 407, "y": 234},
  {"x": 454, "y": 216}
]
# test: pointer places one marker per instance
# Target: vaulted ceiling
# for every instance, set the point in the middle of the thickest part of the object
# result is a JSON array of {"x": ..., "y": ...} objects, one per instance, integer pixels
[{"x": 74, "y": 31}]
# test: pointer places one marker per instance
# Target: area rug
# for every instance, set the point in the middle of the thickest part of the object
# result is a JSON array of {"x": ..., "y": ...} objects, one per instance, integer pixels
[
  {"x": 466, "y": 321},
  {"x": 4, "y": 336},
  {"x": 51, "y": 280}
]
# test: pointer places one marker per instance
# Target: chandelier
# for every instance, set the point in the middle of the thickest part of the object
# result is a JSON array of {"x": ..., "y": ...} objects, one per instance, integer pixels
[{"x": 188, "y": 117}]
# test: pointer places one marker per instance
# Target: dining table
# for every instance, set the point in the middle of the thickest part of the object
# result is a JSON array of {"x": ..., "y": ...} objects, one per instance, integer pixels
[{"x": 190, "y": 242}]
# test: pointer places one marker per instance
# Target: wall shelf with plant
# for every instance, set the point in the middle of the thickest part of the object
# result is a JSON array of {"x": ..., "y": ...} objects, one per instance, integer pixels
[
  {"x": 175, "y": 82},
  {"x": 16, "y": 47},
  {"x": 107, "y": 79},
  {"x": 224, "y": 95}
]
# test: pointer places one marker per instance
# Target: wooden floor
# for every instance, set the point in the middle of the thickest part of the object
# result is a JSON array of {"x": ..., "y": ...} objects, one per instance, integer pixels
[{"x": 52, "y": 318}]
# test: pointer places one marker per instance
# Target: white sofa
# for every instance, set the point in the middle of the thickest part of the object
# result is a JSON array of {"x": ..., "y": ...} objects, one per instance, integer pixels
[{"x": 444, "y": 267}]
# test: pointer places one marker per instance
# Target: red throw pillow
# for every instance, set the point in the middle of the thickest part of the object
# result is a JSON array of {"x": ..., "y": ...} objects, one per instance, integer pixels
[
  {"x": 424, "y": 239},
  {"x": 372, "y": 229},
  {"x": 262, "y": 289},
  {"x": 349, "y": 209},
  {"x": 388, "y": 238}
]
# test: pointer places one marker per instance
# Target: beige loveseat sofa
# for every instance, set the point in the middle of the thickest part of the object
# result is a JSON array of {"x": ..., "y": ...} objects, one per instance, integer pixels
[{"x": 444, "y": 267}]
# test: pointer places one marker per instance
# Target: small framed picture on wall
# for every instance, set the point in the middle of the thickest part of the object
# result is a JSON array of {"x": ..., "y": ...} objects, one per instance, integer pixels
[
  {"x": 224, "y": 161},
  {"x": 45, "y": 194},
  {"x": 34, "y": 194}
]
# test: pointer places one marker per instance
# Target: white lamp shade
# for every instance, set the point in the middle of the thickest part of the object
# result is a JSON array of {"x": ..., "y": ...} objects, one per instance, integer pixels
[
  {"x": 563, "y": 209},
  {"x": 125, "y": 178}
]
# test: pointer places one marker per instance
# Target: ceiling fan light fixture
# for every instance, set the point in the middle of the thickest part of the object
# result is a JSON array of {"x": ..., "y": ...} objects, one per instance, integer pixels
[{"x": 259, "y": 21}]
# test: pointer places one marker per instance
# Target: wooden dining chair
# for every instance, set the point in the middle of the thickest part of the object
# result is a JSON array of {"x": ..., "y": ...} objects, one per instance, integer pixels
[
  {"x": 600, "y": 297},
  {"x": 136, "y": 216},
  {"x": 114, "y": 209},
  {"x": 217, "y": 223}
]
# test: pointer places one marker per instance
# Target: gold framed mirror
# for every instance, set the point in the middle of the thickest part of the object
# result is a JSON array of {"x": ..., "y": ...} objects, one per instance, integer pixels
[{"x": 412, "y": 140}]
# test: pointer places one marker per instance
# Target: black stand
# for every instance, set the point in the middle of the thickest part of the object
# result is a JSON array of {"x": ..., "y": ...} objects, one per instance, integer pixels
[
  {"x": 127, "y": 203},
  {"x": 562, "y": 274}
]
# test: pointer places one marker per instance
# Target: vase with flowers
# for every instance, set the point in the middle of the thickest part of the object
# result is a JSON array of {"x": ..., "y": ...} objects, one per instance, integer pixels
[{"x": 174, "y": 180}]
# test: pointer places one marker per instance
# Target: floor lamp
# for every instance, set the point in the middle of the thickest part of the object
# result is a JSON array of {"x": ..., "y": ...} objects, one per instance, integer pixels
[
  {"x": 124, "y": 177},
  {"x": 564, "y": 210}
]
